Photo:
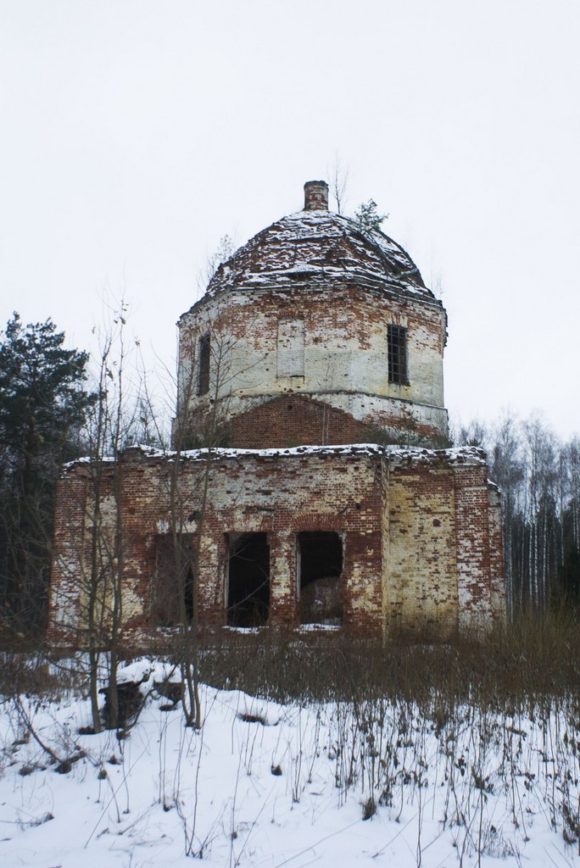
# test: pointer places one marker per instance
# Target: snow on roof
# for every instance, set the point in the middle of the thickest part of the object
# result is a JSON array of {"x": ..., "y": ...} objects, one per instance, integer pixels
[
  {"x": 315, "y": 248},
  {"x": 397, "y": 456}
]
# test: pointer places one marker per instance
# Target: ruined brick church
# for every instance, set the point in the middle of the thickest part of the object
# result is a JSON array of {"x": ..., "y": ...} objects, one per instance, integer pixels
[{"x": 309, "y": 481}]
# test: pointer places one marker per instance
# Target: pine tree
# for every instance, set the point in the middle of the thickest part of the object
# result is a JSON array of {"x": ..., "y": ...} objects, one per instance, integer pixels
[
  {"x": 42, "y": 408},
  {"x": 368, "y": 218}
]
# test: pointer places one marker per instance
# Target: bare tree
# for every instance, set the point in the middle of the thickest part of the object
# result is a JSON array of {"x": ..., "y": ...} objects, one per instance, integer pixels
[
  {"x": 187, "y": 528},
  {"x": 225, "y": 248},
  {"x": 338, "y": 177},
  {"x": 540, "y": 483},
  {"x": 508, "y": 471},
  {"x": 101, "y": 558}
]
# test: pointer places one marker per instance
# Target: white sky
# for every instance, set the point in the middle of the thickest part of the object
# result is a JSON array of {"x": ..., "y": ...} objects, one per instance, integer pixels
[{"x": 134, "y": 134}]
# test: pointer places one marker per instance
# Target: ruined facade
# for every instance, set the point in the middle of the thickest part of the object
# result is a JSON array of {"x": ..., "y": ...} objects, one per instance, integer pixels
[{"x": 308, "y": 483}]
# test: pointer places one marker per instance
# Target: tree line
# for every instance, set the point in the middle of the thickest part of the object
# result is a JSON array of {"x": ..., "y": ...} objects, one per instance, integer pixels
[
  {"x": 51, "y": 411},
  {"x": 539, "y": 477}
]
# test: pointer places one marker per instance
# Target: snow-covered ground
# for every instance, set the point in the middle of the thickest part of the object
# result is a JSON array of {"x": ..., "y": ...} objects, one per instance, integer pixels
[{"x": 270, "y": 785}]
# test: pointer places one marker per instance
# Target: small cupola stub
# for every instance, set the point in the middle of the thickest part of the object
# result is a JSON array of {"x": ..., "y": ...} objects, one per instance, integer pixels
[{"x": 316, "y": 196}]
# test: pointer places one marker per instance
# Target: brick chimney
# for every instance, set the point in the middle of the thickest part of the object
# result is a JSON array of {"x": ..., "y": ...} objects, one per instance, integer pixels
[{"x": 316, "y": 196}]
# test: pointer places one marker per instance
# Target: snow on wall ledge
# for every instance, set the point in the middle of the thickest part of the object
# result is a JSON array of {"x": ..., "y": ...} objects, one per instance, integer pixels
[{"x": 395, "y": 455}]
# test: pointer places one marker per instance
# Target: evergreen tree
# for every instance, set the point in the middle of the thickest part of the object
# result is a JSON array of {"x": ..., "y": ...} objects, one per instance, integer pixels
[
  {"x": 42, "y": 408},
  {"x": 367, "y": 216}
]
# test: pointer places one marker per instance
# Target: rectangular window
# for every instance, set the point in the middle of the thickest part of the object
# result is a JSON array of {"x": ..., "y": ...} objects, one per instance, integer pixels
[
  {"x": 320, "y": 565},
  {"x": 173, "y": 584},
  {"x": 204, "y": 350},
  {"x": 290, "y": 361},
  {"x": 397, "y": 350},
  {"x": 248, "y": 599}
]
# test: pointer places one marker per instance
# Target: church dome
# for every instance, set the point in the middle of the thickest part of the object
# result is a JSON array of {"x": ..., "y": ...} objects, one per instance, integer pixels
[{"x": 317, "y": 248}]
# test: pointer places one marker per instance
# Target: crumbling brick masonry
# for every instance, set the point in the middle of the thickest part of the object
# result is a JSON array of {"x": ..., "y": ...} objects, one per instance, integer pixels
[{"x": 319, "y": 332}]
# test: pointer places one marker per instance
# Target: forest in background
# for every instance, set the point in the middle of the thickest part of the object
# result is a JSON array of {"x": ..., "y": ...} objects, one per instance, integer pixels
[
  {"x": 52, "y": 403},
  {"x": 539, "y": 478}
]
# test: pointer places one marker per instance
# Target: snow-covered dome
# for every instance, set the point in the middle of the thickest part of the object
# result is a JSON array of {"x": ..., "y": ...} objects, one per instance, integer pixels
[{"x": 316, "y": 247}]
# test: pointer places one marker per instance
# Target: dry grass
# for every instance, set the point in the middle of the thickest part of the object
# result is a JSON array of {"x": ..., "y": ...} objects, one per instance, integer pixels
[
  {"x": 533, "y": 660},
  {"x": 39, "y": 673}
]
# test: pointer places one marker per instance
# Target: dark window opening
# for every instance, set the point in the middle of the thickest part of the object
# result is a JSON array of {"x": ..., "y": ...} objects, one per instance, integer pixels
[
  {"x": 173, "y": 583},
  {"x": 397, "y": 350},
  {"x": 319, "y": 568},
  {"x": 204, "y": 359},
  {"x": 248, "y": 580}
]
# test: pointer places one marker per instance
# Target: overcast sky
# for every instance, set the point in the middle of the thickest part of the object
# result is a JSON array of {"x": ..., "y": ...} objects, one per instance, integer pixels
[{"x": 134, "y": 134}]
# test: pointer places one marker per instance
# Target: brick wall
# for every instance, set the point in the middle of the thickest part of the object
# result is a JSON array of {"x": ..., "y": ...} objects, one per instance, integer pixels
[
  {"x": 419, "y": 533},
  {"x": 293, "y": 421},
  {"x": 421, "y": 592},
  {"x": 340, "y": 348},
  {"x": 473, "y": 552}
]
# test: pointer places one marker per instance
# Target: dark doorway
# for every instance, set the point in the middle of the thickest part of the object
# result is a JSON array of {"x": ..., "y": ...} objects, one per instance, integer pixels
[
  {"x": 248, "y": 580},
  {"x": 173, "y": 586},
  {"x": 319, "y": 571}
]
